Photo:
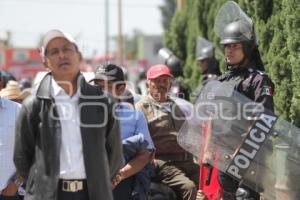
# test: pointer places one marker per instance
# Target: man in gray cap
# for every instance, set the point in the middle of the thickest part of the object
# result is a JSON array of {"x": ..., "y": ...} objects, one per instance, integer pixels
[
  {"x": 108, "y": 77},
  {"x": 133, "y": 180},
  {"x": 67, "y": 141}
]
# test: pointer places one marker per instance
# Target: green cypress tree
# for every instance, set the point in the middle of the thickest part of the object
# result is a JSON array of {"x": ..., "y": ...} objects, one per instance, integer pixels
[
  {"x": 175, "y": 38},
  {"x": 191, "y": 72},
  {"x": 167, "y": 11},
  {"x": 292, "y": 26},
  {"x": 279, "y": 67}
]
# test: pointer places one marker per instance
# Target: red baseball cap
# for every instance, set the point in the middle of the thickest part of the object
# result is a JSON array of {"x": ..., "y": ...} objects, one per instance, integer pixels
[{"x": 158, "y": 70}]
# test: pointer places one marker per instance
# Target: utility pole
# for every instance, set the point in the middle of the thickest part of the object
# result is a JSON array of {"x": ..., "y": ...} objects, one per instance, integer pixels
[
  {"x": 106, "y": 12},
  {"x": 120, "y": 35},
  {"x": 179, "y": 4}
]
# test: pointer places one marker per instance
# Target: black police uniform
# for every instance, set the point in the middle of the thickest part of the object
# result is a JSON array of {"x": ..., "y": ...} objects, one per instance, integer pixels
[
  {"x": 257, "y": 86},
  {"x": 254, "y": 84}
]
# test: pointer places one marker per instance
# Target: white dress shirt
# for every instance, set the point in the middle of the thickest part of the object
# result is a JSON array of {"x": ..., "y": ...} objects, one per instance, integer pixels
[
  {"x": 71, "y": 154},
  {"x": 9, "y": 111}
]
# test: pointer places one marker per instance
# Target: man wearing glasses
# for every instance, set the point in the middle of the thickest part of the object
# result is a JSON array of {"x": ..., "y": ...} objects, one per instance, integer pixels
[{"x": 67, "y": 140}]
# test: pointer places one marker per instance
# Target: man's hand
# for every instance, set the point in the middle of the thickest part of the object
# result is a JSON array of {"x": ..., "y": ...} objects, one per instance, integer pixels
[
  {"x": 154, "y": 162},
  {"x": 201, "y": 195},
  {"x": 208, "y": 158},
  {"x": 10, "y": 190},
  {"x": 117, "y": 178},
  {"x": 152, "y": 159}
]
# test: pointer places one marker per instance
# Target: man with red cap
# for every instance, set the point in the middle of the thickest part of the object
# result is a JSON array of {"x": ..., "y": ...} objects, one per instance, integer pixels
[{"x": 175, "y": 166}]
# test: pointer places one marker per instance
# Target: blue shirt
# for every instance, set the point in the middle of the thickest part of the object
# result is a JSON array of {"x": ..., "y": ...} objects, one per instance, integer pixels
[
  {"x": 9, "y": 111},
  {"x": 136, "y": 138},
  {"x": 133, "y": 122}
]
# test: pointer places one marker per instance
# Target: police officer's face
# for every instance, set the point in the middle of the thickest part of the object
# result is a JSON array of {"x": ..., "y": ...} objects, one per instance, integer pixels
[
  {"x": 63, "y": 59},
  {"x": 203, "y": 64},
  {"x": 159, "y": 88},
  {"x": 234, "y": 53}
]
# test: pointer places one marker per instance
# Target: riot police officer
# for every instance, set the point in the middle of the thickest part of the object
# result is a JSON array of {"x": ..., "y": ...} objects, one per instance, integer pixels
[
  {"x": 245, "y": 71},
  {"x": 208, "y": 64}
]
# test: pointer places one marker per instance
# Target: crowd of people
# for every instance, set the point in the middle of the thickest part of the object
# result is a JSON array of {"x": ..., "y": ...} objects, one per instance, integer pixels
[{"x": 69, "y": 139}]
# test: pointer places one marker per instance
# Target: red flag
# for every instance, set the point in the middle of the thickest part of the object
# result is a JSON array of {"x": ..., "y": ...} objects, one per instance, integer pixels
[{"x": 213, "y": 190}]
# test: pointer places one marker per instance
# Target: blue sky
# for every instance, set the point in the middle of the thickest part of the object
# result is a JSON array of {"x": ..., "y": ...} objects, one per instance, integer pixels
[{"x": 84, "y": 19}]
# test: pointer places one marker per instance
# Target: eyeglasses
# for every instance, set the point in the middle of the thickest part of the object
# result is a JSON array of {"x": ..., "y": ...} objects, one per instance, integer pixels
[{"x": 66, "y": 50}]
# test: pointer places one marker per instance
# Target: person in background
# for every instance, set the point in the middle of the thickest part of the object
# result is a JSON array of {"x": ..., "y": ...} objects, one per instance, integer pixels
[
  {"x": 9, "y": 184},
  {"x": 25, "y": 83},
  {"x": 6, "y": 76},
  {"x": 133, "y": 179},
  {"x": 178, "y": 88},
  {"x": 67, "y": 142},
  {"x": 208, "y": 64},
  {"x": 174, "y": 166},
  {"x": 13, "y": 93},
  {"x": 1, "y": 81}
]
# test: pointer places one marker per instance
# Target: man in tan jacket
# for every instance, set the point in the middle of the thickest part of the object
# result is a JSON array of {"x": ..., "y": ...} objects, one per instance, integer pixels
[{"x": 175, "y": 166}]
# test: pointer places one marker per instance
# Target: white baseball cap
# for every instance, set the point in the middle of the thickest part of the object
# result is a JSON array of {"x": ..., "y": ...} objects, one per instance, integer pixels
[{"x": 50, "y": 35}]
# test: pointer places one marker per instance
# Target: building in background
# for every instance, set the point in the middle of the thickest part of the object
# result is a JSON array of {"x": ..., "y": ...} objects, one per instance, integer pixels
[{"x": 21, "y": 62}]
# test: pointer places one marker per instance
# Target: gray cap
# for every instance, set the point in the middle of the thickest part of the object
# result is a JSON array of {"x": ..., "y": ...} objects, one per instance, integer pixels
[{"x": 109, "y": 72}]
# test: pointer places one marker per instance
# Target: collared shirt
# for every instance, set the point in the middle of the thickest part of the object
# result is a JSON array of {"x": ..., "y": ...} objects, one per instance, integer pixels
[
  {"x": 133, "y": 122},
  {"x": 71, "y": 154},
  {"x": 9, "y": 111}
]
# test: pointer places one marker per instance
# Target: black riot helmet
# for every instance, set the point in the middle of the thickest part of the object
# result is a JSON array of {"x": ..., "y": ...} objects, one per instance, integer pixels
[
  {"x": 237, "y": 31},
  {"x": 232, "y": 25},
  {"x": 206, "y": 50},
  {"x": 240, "y": 31},
  {"x": 172, "y": 61},
  {"x": 205, "y": 53}
]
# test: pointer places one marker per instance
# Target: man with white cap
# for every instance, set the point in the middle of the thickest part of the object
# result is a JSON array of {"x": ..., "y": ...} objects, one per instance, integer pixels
[{"x": 67, "y": 141}]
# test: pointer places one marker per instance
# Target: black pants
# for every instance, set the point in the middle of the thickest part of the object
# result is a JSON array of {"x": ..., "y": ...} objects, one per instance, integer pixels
[
  {"x": 124, "y": 189},
  {"x": 80, "y": 195},
  {"x": 230, "y": 187},
  {"x": 9, "y": 198}
]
